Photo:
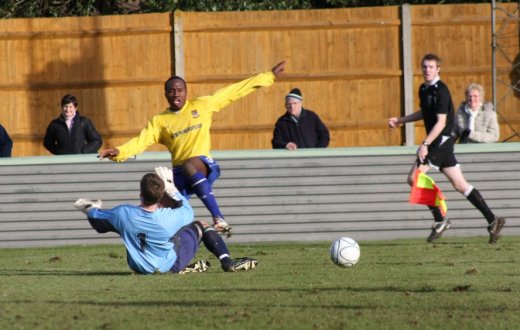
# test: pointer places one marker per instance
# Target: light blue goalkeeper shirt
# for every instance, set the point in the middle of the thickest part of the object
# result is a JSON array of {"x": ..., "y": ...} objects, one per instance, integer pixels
[{"x": 147, "y": 235}]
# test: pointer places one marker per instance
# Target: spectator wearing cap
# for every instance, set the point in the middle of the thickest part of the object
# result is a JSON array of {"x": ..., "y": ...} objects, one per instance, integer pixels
[{"x": 299, "y": 127}]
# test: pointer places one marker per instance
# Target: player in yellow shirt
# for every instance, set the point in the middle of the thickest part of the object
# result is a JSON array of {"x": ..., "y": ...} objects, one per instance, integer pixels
[{"x": 184, "y": 129}]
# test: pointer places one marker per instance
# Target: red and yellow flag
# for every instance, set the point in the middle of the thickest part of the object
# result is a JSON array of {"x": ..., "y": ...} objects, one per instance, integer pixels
[{"x": 425, "y": 191}]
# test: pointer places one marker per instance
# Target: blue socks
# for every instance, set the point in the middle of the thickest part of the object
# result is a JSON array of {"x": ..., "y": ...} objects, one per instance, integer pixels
[{"x": 203, "y": 190}]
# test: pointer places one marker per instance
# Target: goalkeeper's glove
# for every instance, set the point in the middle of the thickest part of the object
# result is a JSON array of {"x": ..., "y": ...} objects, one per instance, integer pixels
[
  {"x": 84, "y": 205},
  {"x": 169, "y": 187}
]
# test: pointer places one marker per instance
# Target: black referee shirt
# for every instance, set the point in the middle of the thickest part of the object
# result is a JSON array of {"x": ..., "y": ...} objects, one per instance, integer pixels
[{"x": 436, "y": 99}]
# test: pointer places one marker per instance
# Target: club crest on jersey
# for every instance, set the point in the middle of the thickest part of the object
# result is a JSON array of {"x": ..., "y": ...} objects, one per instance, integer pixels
[{"x": 195, "y": 113}]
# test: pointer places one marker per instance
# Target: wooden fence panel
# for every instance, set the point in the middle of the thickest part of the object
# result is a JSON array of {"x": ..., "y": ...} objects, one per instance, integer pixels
[
  {"x": 115, "y": 65},
  {"x": 342, "y": 60},
  {"x": 462, "y": 36},
  {"x": 347, "y": 62}
]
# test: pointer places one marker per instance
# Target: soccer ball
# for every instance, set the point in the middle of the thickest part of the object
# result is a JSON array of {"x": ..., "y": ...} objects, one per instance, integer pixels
[{"x": 345, "y": 252}]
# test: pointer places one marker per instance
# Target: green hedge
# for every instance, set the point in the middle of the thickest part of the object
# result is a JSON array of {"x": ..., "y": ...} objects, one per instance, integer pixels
[{"x": 62, "y": 8}]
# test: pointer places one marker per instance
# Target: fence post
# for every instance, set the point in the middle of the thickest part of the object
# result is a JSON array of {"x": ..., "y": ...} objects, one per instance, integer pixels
[
  {"x": 406, "y": 46},
  {"x": 178, "y": 40}
]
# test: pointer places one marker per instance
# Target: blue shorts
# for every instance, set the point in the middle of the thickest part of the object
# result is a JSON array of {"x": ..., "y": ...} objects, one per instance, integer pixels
[
  {"x": 183, "y": 183},
  {"x": 185, "y": 244}
]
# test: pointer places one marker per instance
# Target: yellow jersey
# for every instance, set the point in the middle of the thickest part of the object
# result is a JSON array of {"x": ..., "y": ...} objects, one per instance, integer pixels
[{"x": 186, "y": 133}]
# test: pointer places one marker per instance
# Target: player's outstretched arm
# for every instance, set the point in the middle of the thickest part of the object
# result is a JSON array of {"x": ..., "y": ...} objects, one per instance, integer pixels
[
  {"x": 279, "y": 68},
  {"x": 99, "y": 224},
  {"x": 396, "y": 122},
  {"x": 84, "y": 204},
  {"x": 108, "y": 153}
]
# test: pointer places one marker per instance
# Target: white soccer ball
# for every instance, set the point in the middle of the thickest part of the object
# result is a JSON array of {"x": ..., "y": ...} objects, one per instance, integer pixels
[{"x": 345, "y": 252}]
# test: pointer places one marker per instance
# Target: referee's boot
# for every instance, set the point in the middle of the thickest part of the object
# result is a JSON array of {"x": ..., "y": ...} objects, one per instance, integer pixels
[
  {"x": 495, "y": 228},
  {"x": 438, "y": 228}
]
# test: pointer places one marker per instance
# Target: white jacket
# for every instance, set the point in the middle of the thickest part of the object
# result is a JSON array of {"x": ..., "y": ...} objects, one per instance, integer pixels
[{"x": 486, "y": 127}]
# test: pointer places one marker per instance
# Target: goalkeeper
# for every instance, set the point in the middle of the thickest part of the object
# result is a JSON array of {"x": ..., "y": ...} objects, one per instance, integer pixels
[
  {"x": 161, "y": 240},
  {"x": 184, "y": 129}
]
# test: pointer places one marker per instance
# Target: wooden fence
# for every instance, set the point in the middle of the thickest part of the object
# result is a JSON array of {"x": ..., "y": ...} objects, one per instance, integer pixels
[{"x": 347, "y": 62}]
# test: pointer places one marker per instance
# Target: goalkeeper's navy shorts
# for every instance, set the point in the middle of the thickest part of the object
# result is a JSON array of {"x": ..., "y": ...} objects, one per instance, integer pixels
[{"x": 185, "y": 244}]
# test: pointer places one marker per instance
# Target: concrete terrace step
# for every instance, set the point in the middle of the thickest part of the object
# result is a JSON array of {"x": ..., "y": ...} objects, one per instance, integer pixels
[{"x": 267, "y": 195}]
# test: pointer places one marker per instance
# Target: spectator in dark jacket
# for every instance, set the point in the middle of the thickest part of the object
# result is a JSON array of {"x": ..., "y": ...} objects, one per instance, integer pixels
[
  {"x": 71, "y": 133},
  {"x": 299, "y": 127},
  {"x": 6, "y": 144}
]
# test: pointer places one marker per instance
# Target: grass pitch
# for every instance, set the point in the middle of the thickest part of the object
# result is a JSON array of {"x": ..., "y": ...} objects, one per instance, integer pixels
[{"x": 457, "y": 283}]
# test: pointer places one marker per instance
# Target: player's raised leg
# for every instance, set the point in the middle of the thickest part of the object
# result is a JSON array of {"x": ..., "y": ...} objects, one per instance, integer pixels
[{"x": 201, "y": 172}]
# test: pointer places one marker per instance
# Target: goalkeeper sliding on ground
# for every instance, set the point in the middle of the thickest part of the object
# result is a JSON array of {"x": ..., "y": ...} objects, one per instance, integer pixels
[{"x": 161, "y": 240}]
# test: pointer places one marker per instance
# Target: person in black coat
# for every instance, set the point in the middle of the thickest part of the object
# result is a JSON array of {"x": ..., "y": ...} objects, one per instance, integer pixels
[
  {"x": 6, "y": 143},
  {"x": 299, "y": 127},
  {"x": 71, "y": 133}
]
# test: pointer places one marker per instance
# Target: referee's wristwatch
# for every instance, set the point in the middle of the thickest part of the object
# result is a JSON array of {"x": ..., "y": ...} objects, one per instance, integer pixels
[{"x": 424, "y": 143}]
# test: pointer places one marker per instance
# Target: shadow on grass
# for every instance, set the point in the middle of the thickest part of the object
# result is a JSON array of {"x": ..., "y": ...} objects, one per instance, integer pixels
[
  {"x": 335, "y": 289},
  {"x": 36, "y": 272},
  {"x": 180, "y": 303},
  {"x": 434, "y": 244},
  {"x": 184, "y": 304}
]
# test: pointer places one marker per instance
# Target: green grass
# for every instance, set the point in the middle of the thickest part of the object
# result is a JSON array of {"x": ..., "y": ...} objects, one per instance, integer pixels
[{"x": 457, "y": 283}]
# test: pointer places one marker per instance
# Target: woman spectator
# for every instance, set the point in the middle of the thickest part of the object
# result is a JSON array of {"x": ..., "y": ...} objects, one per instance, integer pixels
[
  {"x": 476, "y": 121},
  {"x": 71, "y": 133}
]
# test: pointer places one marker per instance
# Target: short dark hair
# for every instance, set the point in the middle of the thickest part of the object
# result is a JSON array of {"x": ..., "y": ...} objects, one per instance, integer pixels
[
  {"x": 152, "y": 189},
  {"x": 431, "y": 57},
  {"x": 69, "y": 98},
  {"x": 173, "y": 78}
]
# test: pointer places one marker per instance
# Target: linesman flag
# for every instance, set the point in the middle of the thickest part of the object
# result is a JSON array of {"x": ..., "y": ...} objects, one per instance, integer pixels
[{"x": 425, "y": 191}]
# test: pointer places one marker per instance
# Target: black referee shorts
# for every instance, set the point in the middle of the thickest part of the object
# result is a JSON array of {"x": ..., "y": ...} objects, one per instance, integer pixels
[{"x": 441, "y": 153}]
